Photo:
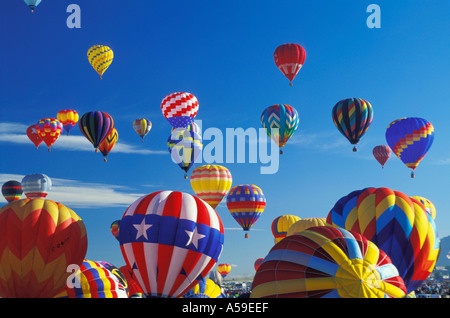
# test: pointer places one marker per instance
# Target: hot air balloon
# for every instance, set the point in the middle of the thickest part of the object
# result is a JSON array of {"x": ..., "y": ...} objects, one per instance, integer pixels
[
  {"x": 94, "y": 280},
  {"x": 327, "y": 262},
  {"x": 100, "y": 57},
  {"x": 206, "y": 288},
  {"x": 33, "y": 135},
  {"x": 96, "y": 126},
  {"x": 36, "y": 185},
  {"x": 211, "y": 183},
  {"x": 40, "y": 239},
  {"x": 224, "y": 269},
  {"x": 49, "y": 129},
  {"x": 382, "y": 154},
  {"x": 289, "y": 58},
  {"x": 397, "y": 224},
  {"x": 68, "y": 118},
  {"x": 352, "y": 117},
  {"x": 427, "y": 204},
  {"x": 281, "y": 225},
  {"x": 304, "y": 224},
  {"x": 115, "y": 227},
  {"x": 108, "y": 143},
  {"x": 184, "y": 148},
  {"x": 142, "y": 127},
  {"x": 410, "y": 139},
  {"x": 246, "y": 203},
  {"x": 216, "y": 277},
  {"x": 258, "y": 263},
  {"x": 280, "y": 122},
  {"x": 179, "y": 108},
  {"x": 170, "y": 240},
  {"x": 32, "y": 4},
  {"x": 134, "y": 290},
  {"x": 123, "y": 286},
  {"x": 12, "y": 190}
]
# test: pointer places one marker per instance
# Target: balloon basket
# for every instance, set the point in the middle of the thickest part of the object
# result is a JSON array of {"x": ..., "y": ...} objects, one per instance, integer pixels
[
  {"x": 246, "y": 235},
  {"x": 354, "y": 149}
]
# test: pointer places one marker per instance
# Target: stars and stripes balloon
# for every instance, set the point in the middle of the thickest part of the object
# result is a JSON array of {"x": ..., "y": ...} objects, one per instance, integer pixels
[
  {"x": 49, "y": 129},
  {"x": 12, "y": 190},
  {"x": 246, "y": 203},
  {"x": 179, "y": 108},
  {"x": 327, "y": 262},
  {"x": 33, "y": 135},
  {"x": 40, "y": 239},
  {"x": 68, "y": 118},
  {"x": 96, "y": 126},
  {"x": 382, "y": 153},
  {"x": 352, "y": 117},
  {"x": 280, "y": 122},
  {"x": 36, "y": 185},
  {"x": 289, "y": 58},
  {"x": 100, "y": 57},
  {"x": 142, "y": 127},
  {"x": 410, "y": 139},
  {"x": 397, "y": 224},
  {"x": 170, "y": 240},
  {"x": 211, "y": 183}
]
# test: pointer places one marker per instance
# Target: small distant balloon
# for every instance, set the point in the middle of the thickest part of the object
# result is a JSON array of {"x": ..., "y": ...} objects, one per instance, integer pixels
[
  {"x": 289, "y": 58},
  {"x": 36, "y": 185},
  {"x": 33, "y": 135},
  {"x": 12, "y": 190},
  {"x": 49, "y": 129},
  {"x": 382, "y": 153},
  {"x": 142, "y": 127},
  {"x": 100, "y": 57},
  {"x": 69, "y": 118},
  {"x": 108, "y": 143},
  {"x": 179, "y": 109},
  {"x": 32, "y": 4}
]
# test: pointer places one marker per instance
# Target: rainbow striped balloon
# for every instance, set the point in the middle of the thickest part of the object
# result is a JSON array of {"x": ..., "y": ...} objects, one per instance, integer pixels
[
  {"x": 327, "y": 262},
  {"x": 280, "y": 122},
  {"x": 397, "y": 224},
  {"x": 211, "y": 183}
]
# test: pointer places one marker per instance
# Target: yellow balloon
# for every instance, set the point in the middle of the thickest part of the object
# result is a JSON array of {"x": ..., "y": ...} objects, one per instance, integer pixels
[
  {"x": 304, "y": 224},
  {"x": 100, "y": 57},
  {"x": 281, "y": 225},
  {"x": 428, "y": 205},
  {"x": 211, "y": 183}
]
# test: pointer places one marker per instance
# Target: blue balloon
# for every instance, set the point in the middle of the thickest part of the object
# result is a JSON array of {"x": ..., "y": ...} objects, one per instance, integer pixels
[{"x": 32, "y": 3}]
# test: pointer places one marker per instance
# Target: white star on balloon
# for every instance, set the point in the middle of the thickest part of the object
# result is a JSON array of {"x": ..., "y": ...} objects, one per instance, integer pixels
[
  {"x": 142, "y": 229},
  {"x": 194, "y": 237}
]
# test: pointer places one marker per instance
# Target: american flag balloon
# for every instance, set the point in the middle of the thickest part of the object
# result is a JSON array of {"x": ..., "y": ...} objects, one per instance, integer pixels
[
  {"x": 170, "y": 240},
  {"x": 179, "y": 109}
]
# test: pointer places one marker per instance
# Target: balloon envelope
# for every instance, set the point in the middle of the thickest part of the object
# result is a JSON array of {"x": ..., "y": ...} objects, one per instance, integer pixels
[
  {"x": 170, "y": 240},
  {"x": 397, "y": 224},
  {"x": 108, "y": 143},
  {"x": 142, "y": 127},
  {"x": 289, "y": 58},
  {"x": 33, "y": 135},
  {"x": 12, "y": 190},
  {"x": 281, "y": 225},
  {"x": 327, "y": 262},
  {"x": 179, "y": 108},
  {"x": 304, "y": 224},
  {"x": 184, "y": 147},
  {"x": 224, "y": 269},
  {"x": 41, "y": 239},
  {"x": 382, "y": 153},
  {"x": 68, "y": 118},
  {"x": 96, "y": 126},
  {"x": 211, "y": 183},
  {"x": 49, "y": 129},
  {"x": 32, "y": 4},
  {"x": 36, "y": 185},
  {"x": 100, "y": 57},
  {"x": 206, "y": 288}
]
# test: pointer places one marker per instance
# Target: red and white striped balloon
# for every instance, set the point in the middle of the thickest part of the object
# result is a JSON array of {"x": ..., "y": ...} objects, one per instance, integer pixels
[{"x": 179, "y": 108}]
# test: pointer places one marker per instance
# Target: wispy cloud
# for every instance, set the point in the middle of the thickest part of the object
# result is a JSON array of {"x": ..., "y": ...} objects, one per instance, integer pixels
[
  {"x": 77, "y": 194},
  {"x": 16, "y": 133}
]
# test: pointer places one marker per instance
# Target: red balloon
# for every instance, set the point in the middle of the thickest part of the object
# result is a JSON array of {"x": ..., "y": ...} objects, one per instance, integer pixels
[
  {"x": 382, "y": 154},
  {"x": 33, "y": 135},
  {"x": 289, "y": 58}
]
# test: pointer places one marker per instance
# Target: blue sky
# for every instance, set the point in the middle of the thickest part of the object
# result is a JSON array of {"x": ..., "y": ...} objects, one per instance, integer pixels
[{"x": 222, "y": 52}]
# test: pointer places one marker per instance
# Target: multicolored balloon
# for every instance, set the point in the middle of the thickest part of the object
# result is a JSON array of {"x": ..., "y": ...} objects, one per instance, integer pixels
[
  {"x": 94, "y": 280},
  {"x": 41, "y": 238},
  {"x": 33, "y": 135},
  {"x": 280, "y": 122},
  {"x": 36, "y": 185},
  {"x": 224, "y": 269},
  {"x": 12, "y": 190},
  {"x": 49, "y": 129},
  {"x": 258, "y": 263},
  {"x": 397, "y": 224},
  {"x": 32, "y": 4},
  {"x": 179, "y": 109},
  {"x": 206, "y": 288},
  {"x": 327, "y": 262},
  {"x": 410, "y": 139},
  {"x": 246, "y": 203},
  {"x": 211, "y": 183},
  {"x": 281, "y": 225},
  {"x": 108, "y": 143},
  {"x": 100, "y": 57},
  {"x": 170, "y": 240},
  {"x": 115, "y": 228},
  {"x": 142, "y": 127},
  {"x": 289, "y": 58},
  {"x": 69, "y": 118},
  {"x": 427, "y": 204},
  {"x": 304, "y": 224},
  {"x": 184, "y": 147},
  {"x": 352, "y": 117},
  {"x": 382, "y": 153},
  {"x": 96, "y": 126}
]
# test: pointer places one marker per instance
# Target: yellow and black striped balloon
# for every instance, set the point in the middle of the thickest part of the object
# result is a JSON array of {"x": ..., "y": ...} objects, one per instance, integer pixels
[{"x": 100, "y": 57}]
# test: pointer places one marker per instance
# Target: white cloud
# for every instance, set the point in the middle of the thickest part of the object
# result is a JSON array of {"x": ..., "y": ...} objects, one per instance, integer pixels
[{"x": 76, "y": 194}]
